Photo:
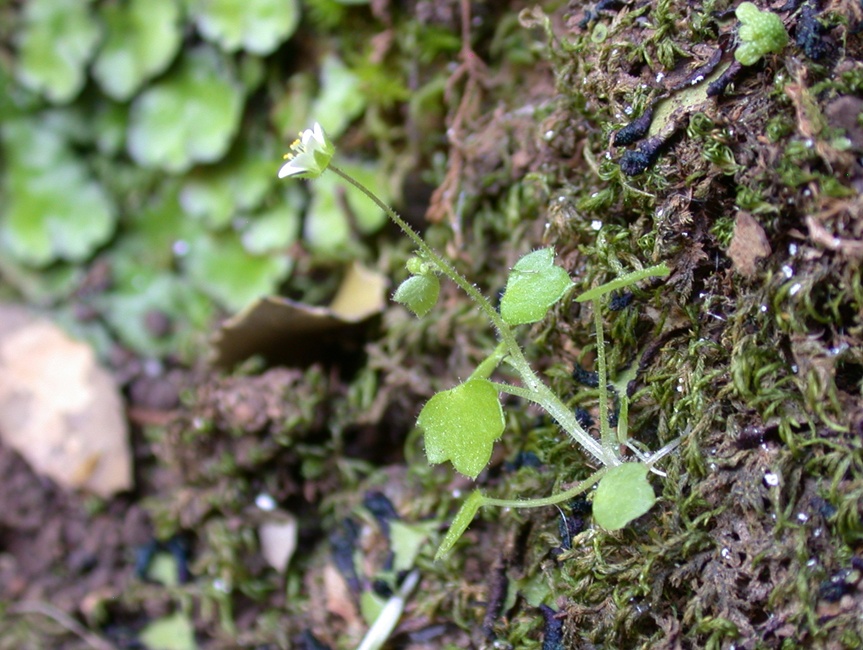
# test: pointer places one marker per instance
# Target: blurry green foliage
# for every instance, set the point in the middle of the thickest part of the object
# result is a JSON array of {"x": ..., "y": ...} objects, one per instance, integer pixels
[
  {"x": 41, "y": 223},
  {"x": 239, "y": 183},
  {"x": 189, "y": 117},
  {"x": 144, "y": 135},
  {"x": 143, "y": 38},
  {"x": 58, "y": 38},
  {"x": 328, "y": 226},
  {"x": 225, "y": 270},
  {"x": 340, "y": 100},
  {"x": 257, "y": 26}
]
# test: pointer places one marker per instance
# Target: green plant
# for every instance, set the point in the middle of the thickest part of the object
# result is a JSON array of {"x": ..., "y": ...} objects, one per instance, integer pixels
[
  {"x": 461, "y": 424},
  {"x": 761, "y": 32}
]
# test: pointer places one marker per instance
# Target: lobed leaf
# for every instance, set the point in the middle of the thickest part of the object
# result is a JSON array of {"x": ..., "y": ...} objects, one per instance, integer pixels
[
  {"x": 534, "y": 285},
  {"x": 189, "y": 117},
  {"x": 143, "y": 38},
  {"x": 461, "y": 425},
  {"x": 761, "y": 32},
  {"x": 56, "y": 43},
  {"x": 52, "y": 208},
  {"x": 256, "y": 26}
]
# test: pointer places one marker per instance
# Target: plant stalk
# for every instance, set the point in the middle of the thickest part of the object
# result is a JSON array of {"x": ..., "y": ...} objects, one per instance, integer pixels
[{"x": 536, "y": 390}]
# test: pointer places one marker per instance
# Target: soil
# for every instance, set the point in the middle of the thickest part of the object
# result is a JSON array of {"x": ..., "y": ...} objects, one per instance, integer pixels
[{"x": 751, "y": 353}]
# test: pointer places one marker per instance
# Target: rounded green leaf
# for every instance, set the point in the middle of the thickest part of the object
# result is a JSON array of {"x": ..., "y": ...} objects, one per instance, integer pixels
[
  {"x": 143, "y": 38},
  {"x": 623, "y": 494},
  {"x": 461, "y": 425},
  {"x": 761, "y": 32},
  {"x": 52, "y": 208},
  {"x": 226, "y": 271},
  {"x": 56, "y": 43},
  {"x": 257, "y": 26},
  {"x": 534, "y": 285},
  {"x": 418, "y": 293},
  {"x": 187, "y": 118}
]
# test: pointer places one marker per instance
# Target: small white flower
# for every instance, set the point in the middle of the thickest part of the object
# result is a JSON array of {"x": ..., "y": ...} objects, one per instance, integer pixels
[{"x": 309, "y": 156}]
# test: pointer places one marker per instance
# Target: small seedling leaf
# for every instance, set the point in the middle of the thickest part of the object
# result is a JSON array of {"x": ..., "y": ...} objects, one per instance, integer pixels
[
  {"x": 761, "y": 32},
  {"x": 461, "y": 425},
  {"x": 534, "y": 285},
  {"x": 460, "y": 523},
  {"x": 418, "y": 293},
  {"x": 623, "y": 494}
]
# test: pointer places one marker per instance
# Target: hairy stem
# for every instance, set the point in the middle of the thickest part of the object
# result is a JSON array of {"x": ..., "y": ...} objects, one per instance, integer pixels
[
  {"x": 560, "y": 497},
  {"x": 535, "y": 389},
  {"x": 608, "y": 440}
]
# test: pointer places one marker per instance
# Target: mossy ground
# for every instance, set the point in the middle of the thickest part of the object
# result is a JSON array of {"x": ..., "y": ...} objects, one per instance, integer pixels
[{"x": 755, "y": 360}]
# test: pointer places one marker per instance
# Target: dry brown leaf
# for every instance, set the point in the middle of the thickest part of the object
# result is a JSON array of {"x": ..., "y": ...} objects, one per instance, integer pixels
[
  {"x": 748, "y": 244},
  {"x": 293, "y": 333},
  {"x": 58, "y": 408}
]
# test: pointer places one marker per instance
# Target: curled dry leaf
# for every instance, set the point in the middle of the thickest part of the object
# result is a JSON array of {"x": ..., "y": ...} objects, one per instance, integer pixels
[{"x": 293, "y": 333}]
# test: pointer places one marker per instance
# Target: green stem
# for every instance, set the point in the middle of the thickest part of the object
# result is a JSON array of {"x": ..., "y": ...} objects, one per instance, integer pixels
[
  {"x": 539, "y": 392},
  {"x": 608, "y": 440},
  {"x": 564, "y": 417},
  {"x": 560, "y": 497}
]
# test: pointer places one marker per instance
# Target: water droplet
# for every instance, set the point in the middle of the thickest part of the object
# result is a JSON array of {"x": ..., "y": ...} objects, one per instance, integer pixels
[
  {"x": 265, "y": 502},
  {"x": 802, "y": 517},
  {"x": 549, "y": 135},
  {"x": 771, "y": 479},
  {"x": 596, "y": 224},
  {"x": 787, "y": 271},
  {"x": 792, "y": 249},
  {"x": 725, "y": 553},
  {"x": 795, "y": 288}
]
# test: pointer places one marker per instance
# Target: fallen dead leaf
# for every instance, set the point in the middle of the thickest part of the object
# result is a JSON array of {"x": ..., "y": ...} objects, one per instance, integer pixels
[
  {"x": 748, "y": 244},
  {"x": 296, "y": 334},
  {"x": 58, "y": 408}
]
